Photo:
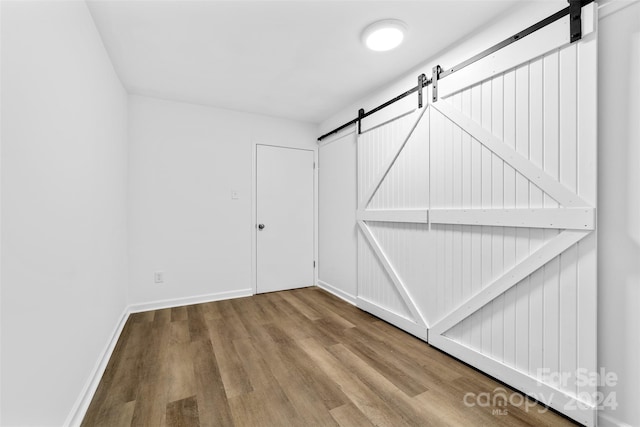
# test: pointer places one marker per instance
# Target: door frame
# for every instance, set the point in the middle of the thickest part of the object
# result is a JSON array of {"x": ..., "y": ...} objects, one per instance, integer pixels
[{"x": 254, "y": 207}]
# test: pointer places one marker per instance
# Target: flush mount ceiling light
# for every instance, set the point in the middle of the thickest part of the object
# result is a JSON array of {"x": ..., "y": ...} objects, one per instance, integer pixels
[{"x": 384, "y": 35}]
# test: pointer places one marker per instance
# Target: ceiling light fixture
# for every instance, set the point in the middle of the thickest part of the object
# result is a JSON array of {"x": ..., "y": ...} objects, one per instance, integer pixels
[{"x": 384, "y": 35}]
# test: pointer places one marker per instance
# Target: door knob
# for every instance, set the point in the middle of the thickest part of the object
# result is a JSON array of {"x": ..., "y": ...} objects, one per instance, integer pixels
[{"x": 260, "y": 226}]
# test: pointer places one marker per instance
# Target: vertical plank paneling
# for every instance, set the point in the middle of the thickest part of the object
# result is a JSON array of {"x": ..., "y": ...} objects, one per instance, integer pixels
[
  {"x": 476, "y": 202},
  {"x": 551, "y": 126},
  {"x": 509, "y": 124},
  {"x": 448, "y": 266},
  {"x": 436, "y": 173},
  {"x": 457, "y": 203},
  {"x": 439, "y": 238},
  {"x": 522, "y": 201},
  {"x": 568, "y": 121},
  {"x": 568, "y": 328},
  {"x": 457, "y": 159},
  {"x": 551, "y": 131},
  {"x": 448, "y": 172},
  {"x": 487, "y": 232},
  {"x": 497, "y": 195},
  {"x": 536, "y": 155},
  {"x": 434, "y": 192},
  {"x": 466, "y": 261},
  {"x": 476, "y": 154},
  {"x": 448, "y": 202}
]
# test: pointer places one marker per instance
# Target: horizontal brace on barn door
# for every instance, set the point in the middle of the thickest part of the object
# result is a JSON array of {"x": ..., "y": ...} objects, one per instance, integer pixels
[
  {"x": 423, "y": 82},
  {"x": 558, "y": 218},
  {"x": 416, "y": 216}
]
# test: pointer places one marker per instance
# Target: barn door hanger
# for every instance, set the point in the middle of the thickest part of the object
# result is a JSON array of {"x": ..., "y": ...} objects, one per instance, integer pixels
[
  {"x": 360, "y": 117},
  {"x": 575, "y": 20},
  {"x": 437, "y": 70},
  {"x": 422, "y": 82}
]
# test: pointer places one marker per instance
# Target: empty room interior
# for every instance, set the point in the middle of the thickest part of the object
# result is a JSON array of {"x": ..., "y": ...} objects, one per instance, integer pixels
[{"x": 320, "y": 213}]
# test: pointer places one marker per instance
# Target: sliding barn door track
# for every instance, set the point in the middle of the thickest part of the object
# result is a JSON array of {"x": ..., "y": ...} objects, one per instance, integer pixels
[{"x": 574, "y": 11}]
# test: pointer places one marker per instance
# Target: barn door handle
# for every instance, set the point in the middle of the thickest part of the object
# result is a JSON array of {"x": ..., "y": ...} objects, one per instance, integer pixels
[{"x": 260, "y": 226}]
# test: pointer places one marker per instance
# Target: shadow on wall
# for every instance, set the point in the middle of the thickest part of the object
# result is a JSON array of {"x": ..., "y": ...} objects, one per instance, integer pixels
[{"x": 619, "y": 211}]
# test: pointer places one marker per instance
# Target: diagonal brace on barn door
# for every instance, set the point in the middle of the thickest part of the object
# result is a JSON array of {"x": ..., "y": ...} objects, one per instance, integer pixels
[
  {"x": 534, "y": 174},
  {"x": 389, "y": 164},
  {"x": 523, "y": 269},
  {"x": 393, "y": 275}
]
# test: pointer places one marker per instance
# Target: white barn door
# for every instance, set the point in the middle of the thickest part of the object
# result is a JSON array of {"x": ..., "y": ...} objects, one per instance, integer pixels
[
  {"x": 477, "y": 218},
  {"x": 393, "y": 197}
]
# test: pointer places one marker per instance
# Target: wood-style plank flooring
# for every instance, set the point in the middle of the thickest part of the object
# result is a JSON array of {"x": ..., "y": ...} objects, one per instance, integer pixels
[{"x": 293, "y": 358}]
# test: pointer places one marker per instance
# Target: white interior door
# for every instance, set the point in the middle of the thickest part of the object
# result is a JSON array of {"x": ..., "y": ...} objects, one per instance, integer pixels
[{"x": 284, "y": 213}]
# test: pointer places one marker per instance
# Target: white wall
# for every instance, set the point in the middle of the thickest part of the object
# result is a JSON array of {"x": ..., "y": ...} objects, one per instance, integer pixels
[
  {"x": 619, "y": 188},
  {"x": 337, "y": 216},
  {"x": 619, "y": 209},
  {"x": 184, "y": 162},
  {"x": 63, "y": 207}
]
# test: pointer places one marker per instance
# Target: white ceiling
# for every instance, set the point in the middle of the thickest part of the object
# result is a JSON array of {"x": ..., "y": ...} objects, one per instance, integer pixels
[{"x": 297, "y": 59}]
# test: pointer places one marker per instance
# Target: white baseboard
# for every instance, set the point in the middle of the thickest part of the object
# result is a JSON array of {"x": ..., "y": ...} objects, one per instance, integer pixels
[
  {"x": 77, "y": 413},
  {"x": 177, "y": 302},
  {"x": 395, "y": 319},
  {"x": 84, "y": 399},
  {"x": 605, "y": 420},
  {"x": 351, "y": 299}
]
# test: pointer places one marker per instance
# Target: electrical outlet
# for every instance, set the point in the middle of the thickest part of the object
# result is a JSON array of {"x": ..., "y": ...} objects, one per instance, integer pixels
[{"x": 158, "y": 277}]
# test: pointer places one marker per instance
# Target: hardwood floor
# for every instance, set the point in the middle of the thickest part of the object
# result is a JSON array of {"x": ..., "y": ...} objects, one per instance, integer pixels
[{"x": 293, "y": 358}]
